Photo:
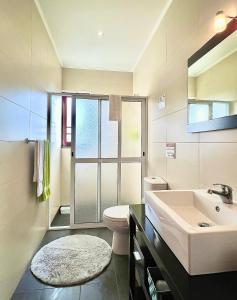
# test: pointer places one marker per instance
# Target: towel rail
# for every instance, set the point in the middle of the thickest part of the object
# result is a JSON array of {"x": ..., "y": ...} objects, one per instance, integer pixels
[{"x": 30, "y": 141}]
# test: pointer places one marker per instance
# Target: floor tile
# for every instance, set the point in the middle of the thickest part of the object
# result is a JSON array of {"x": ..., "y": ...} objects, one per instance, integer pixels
[
  {"x": 99, "y": 292},
  {"x": 105, "y": 278},
  {"x": 111, "y": 284},
  {"x": 29, "y": 283},
  {"x": 70, "y": 293},
  {"x": 52, "y": 235},
  {"x": 120, "y": 263},
  {"x": 61, "y": 220},
  {"x": 33, "y": 295}
]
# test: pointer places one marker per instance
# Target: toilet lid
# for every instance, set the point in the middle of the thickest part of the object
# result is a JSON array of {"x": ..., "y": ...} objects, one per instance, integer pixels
[{"x": 117, "y": 213}]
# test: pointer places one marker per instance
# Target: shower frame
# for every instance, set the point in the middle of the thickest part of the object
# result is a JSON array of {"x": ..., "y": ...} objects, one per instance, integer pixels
[{"x": 118, "y": 160}]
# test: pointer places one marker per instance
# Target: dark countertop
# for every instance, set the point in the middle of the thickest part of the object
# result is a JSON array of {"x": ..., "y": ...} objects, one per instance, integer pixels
[{"x": 221, "y": 286}]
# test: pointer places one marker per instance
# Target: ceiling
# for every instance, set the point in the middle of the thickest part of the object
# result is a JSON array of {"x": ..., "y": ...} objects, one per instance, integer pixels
[{"x": 127, "y": 27}]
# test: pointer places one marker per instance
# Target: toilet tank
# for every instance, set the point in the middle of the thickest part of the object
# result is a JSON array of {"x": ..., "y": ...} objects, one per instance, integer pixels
[{"x": 154, "y": 183}]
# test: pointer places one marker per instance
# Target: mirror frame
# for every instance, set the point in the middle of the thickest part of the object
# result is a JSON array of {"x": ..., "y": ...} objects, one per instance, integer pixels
[{"x": 228, "y": 122}]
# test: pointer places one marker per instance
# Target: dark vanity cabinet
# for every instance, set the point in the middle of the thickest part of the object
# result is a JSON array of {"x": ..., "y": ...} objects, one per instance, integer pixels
[{"x": 156, "y": 274}]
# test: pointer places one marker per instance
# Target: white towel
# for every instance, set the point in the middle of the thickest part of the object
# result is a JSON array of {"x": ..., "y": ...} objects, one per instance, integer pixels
[
  {"x": 39, "y": 166},
  {"x": 114, "y": 108}
]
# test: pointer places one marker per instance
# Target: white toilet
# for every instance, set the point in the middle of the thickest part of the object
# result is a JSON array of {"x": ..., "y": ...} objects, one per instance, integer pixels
[
  {"x": 154, "y": 183},
  {"x": 116, "y": 217}
]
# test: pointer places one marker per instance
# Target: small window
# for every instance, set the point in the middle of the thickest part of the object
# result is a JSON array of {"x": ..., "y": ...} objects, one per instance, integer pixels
[
  {"x": 220, "y": 109},
  {"x": 198, "y": 112},
  {"x": 66, "y": 121}
]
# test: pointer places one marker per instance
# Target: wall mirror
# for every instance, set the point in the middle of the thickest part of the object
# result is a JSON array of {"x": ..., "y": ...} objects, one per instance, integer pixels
[{"x": 212, "y": 83}]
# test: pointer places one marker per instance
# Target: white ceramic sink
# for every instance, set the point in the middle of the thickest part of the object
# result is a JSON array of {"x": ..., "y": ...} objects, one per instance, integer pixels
[{"x": 201, "y": 250}]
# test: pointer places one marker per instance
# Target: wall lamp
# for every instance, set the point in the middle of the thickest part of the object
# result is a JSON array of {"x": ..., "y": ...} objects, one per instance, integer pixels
[{"x": 221, "y": 21}]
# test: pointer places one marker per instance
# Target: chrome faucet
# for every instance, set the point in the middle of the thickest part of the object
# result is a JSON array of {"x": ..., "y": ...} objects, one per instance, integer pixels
[{"x": 226, "y": 193}]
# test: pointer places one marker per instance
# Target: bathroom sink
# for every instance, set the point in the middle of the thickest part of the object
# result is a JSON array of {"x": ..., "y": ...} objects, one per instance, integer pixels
[{"x": 198, "y": 227}]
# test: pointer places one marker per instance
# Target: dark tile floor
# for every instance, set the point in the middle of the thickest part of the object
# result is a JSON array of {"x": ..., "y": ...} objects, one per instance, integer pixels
[
  {"x": 112, "y": 284},
  {"x": 61, "y": 220}
]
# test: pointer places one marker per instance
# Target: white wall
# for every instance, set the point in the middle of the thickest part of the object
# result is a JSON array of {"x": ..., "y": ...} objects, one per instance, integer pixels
[
  {"x": 29, "y": 68},
  {"x": 219, "y": 82},
  {"x": 204, "y": 158}
]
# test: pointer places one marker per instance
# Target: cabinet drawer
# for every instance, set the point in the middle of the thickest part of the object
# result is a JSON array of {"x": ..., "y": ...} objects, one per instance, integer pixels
[
  {"x": 158, "y": 288},
  {"x": 139, "y": 262},
  {"x": 137, "y": 253}
]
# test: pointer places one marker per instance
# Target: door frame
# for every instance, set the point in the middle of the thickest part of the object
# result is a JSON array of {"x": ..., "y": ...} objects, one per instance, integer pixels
[{"x": 119, "y": 160}]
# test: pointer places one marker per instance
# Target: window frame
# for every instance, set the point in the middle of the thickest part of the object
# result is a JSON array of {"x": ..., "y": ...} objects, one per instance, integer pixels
[
  {"x": 210, "y": 108},
  {"x": 64, "y": 142}
]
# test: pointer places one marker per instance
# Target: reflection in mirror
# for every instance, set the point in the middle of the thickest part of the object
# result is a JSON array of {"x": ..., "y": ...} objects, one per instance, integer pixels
[{"x": 212, "y": 83}]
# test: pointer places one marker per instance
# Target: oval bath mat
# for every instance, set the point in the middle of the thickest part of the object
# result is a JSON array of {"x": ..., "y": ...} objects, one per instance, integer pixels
[{"x": 71, "y": 260}]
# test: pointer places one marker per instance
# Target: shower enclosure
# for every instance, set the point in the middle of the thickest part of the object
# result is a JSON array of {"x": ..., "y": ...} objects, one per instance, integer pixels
[{"x": 108, "y": 157}]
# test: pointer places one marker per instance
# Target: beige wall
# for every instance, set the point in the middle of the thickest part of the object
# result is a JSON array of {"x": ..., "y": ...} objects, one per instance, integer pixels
[
  {"x": 219, "y": 82},
  {"x": 202, "y": 159},
  {"x": 66, "y": 176},
  {"x": 98, "y": 82},
  {"x": 55, "y": 156},
  {"x": 28, "y": 69}
]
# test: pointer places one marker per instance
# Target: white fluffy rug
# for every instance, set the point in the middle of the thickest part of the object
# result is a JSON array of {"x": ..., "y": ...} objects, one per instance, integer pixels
[{"x": 70, "y": 260}]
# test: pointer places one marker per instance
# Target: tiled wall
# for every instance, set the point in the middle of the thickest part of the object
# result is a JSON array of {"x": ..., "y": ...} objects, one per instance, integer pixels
[
  {"x": 204, "y": 158},
  {"x": 28, "y": 69}
]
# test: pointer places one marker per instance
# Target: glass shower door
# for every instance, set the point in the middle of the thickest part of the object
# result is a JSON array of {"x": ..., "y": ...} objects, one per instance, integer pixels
[{"x": 107, "y": 158}]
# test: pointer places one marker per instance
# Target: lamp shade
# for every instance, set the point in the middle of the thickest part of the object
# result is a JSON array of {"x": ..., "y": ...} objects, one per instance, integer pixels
[{"x": 220, "y": 21}]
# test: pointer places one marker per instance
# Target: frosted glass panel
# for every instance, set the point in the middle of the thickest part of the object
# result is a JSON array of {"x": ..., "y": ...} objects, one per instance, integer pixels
[
  {"x": 220, "y": 109},
  {"x": 86, "y": 128},
  {"x": 198, "y": 113},
  {"x": 131, "y": 129},
  {"x": 85, "y": 192},
  {"x": 108, "y": 186},
  {"x": 109, "y": 133},
  {"x": 130, "y": 183}
]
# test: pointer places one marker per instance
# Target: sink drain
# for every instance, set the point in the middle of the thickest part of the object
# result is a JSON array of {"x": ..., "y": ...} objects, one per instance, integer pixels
[{"x": 204, "y": 224}]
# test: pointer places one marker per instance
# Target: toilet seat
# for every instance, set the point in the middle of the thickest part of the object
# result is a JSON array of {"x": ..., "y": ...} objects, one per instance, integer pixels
[{"x": 117, "y": 214}]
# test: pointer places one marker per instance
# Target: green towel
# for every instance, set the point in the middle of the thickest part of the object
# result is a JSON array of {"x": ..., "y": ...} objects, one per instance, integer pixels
[{"x": 46, "y": 177}]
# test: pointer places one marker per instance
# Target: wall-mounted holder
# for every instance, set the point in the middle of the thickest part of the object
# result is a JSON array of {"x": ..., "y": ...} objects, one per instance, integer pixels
[
  {"x": 162, "y": 102},
  {"x": 170, "y": 150},
  {"x": 27, "y": 141}
]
